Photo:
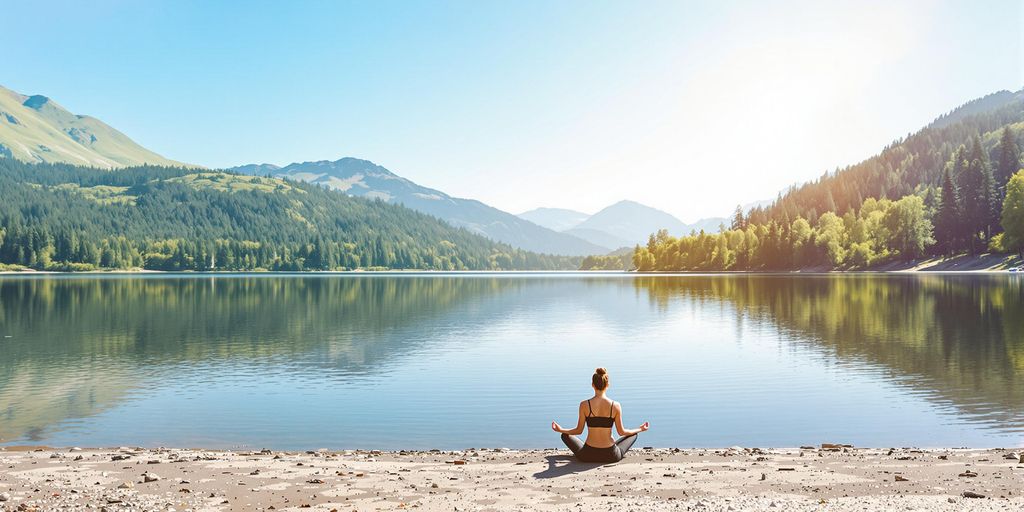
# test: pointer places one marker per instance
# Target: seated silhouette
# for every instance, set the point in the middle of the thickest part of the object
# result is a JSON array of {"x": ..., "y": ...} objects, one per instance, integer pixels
[{"x": 599, "y": 413}]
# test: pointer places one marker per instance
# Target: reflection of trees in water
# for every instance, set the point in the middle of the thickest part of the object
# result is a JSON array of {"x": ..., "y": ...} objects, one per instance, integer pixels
[
  {"x": 181, "y": 319},
  {"x": 958, "y": 337},
  {"x": 80, "y": 345},
  {"x": 38, "y": 393}
]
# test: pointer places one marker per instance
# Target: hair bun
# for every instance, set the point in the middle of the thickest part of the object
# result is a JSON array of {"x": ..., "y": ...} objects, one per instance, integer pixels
[{"x": 600, "y": 379}]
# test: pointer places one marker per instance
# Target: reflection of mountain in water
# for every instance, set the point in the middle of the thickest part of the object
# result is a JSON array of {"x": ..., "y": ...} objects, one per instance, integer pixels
[
  {"x": 81, "y": 345},
  {"x": 958, "y": 338}
]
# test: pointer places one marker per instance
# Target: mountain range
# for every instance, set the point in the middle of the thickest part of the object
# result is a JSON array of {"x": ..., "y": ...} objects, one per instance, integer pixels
[
  {"x": 544, "y": 230},
  {"x": 37, "y": 129},
  {"x": 623, "y": 224},
  {"x": 362, "y": 178}
]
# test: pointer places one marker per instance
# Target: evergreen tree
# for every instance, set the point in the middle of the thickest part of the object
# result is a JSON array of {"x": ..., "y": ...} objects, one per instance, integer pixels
[
  {"x": 1009, "y": 161},
  {"x": 737, "y": 219},
  {"x": 949, "y": 218},
  {"x": 975, "y": 186}
]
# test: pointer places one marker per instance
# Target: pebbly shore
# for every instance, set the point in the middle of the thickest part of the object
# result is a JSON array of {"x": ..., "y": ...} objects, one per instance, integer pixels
[{"x": 820, "y": 478}]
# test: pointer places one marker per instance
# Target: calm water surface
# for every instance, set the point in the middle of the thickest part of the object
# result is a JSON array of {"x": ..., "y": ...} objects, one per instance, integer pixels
[{"x": 445, "y": 361}]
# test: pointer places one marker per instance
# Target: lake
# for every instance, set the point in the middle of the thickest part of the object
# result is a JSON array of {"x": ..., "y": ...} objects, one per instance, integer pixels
[{"x": 419, "y": 361}]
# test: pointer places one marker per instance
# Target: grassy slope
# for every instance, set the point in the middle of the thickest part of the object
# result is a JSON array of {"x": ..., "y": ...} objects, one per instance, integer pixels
[
  {"x": 223, "y": 182},
  {"x": 36, "y": 129}
]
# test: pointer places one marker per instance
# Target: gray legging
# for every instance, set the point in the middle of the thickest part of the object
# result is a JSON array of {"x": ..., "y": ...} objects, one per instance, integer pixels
[{"x": 587, "y": 453}]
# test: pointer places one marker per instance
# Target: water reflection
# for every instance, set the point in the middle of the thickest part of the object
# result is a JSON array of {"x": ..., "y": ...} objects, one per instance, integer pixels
[
  {"x": 959, "y": 338},
  {"x": 77, "y": 346},
  {"x": 303, "y": 361}
]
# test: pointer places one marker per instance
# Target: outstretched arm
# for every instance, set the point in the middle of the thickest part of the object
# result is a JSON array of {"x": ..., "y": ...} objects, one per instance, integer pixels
[
  {"x": 625, "y": 431},
  {"x": 579, "y": 424}
]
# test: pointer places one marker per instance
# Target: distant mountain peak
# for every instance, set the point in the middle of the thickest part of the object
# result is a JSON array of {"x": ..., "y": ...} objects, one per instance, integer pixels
[
  {"x": 558, "y": 219},
  {"x": 629, "y": 202},
  {"x": 621, "y": 224},
  {"x": 354, "y": 160},
  {"x": 627, "y": 223},
  {"x": 263, "y": 166},
  {"x": 342, "y": 173},
  {"x": 630, "y": 205},
  {"x": 256, "y": 169}
]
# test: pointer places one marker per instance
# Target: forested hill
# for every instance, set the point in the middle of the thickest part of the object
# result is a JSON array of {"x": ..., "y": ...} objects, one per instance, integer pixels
[
  {"x": 63, "y": 217},
  {"x": 954, "y": 187},
  {"x": 904, "y": 167}
]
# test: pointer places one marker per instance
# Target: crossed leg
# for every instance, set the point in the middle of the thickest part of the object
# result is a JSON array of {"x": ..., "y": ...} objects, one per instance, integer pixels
[
  {"x": 573, "y": 442},
  {"x": 625, "y": 443}
]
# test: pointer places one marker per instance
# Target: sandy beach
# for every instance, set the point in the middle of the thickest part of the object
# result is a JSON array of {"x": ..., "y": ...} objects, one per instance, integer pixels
[{"x": 808, "y": 478}]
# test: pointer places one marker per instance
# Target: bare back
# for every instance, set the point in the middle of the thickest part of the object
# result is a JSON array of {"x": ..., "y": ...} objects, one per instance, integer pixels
[{"x": 599, "y": 414}]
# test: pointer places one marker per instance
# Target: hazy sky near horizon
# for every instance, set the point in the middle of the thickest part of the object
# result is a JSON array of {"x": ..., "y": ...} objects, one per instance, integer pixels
[{"x": 690, "y": 107}]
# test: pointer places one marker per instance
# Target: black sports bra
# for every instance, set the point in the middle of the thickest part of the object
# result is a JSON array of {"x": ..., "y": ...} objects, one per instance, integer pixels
[{"x": 600, "y": 421}]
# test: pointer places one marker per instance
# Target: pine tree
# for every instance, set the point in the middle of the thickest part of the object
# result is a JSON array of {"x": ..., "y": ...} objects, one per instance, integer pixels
[
  {"x": 949, "y": 218},
  {"x": 975, "y": 184},
  {"x": 1009, "y": 161},
  {"x": 737, "y": 219}
]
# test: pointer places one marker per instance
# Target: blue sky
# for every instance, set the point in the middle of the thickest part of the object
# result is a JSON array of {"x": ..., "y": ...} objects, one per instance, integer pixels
[{"x": 689, "y": 107}]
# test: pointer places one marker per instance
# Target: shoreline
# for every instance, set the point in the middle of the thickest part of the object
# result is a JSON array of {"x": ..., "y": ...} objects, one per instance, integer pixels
[
  {"x": 823, "y": 477},
  {"x": 975, "y": 264},
  {"x": 42, "y": 273}
]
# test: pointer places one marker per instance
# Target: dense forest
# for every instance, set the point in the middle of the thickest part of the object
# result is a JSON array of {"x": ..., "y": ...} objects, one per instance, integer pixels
[
  {"x": 63, "y": 217},
  {"x": 944, "y": 190}
]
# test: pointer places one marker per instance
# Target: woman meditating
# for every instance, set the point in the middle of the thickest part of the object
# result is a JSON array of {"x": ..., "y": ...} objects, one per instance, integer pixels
[{"x": 599, "y": 413}]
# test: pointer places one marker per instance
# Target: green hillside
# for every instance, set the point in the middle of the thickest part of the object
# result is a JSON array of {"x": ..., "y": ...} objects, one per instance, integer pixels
[
  {"x": 907, "y": 166},
  {"x": 64, "y": 217},
  {"x": 941, "y": 191},
  {"x": 36, "y": 129}
]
